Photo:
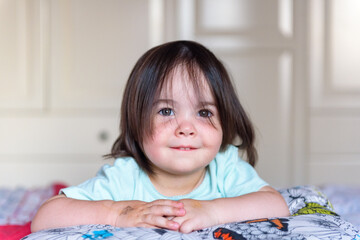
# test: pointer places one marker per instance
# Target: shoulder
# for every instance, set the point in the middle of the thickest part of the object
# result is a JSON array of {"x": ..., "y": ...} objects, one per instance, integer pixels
[
  {"x": 234, "y": 176},
  {"x": 122, "y": 168},
  {"x": 124, "y": 172},
  {"x": 113, "y": 182},
  {"x": 226, "y": 162}
]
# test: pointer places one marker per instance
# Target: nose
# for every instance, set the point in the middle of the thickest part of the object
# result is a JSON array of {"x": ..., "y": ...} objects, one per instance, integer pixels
[{"x": 185, "y": 129}]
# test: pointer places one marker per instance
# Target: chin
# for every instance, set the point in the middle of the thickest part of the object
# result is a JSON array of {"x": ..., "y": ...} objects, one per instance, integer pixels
[{"x": 184, "y": 172}]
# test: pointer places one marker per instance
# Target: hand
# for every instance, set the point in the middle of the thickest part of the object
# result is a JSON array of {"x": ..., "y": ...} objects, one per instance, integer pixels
[
  {"x": 199, "y": 214},
  {"x": 156, "y": 214}
]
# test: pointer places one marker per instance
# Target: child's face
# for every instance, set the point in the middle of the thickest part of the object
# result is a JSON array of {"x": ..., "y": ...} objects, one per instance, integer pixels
[{"x": 184, "y": 141}]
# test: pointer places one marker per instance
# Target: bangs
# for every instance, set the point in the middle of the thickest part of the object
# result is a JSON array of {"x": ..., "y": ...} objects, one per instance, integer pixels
[{"x": 191, "y": 73}]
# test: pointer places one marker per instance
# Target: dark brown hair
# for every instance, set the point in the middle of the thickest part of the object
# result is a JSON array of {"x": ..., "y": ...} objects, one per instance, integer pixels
[{"x": 145, "y": 82}]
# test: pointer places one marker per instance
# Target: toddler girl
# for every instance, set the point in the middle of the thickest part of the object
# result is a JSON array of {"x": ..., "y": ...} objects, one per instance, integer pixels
[{"x": 176, "y": 166}]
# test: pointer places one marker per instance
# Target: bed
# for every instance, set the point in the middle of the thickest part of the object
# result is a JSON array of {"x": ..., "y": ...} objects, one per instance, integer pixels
[
  {"x": 326, "y": 212},
  {"x": 18, "y": 206}
]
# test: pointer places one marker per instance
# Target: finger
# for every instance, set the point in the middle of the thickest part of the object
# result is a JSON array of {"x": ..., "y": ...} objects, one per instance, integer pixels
[
  {"x": 166, "y": 211},
  {"x": 187, "y": 227},
  {"x": 146, "y": 225},
  {"x": 192, "y": 224},
  {"x": 160, "y": 221},
  {"x": 179, "y": 220}
]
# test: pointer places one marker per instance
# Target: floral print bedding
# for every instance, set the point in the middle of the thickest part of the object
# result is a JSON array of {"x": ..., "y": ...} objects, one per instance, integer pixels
[{"x": 313, "y": 217}]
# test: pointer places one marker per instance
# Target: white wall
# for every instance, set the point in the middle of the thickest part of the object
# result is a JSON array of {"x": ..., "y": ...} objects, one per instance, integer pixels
[
  {"x": 64, "y": 63},
  {"x": 334, "y": 90}
]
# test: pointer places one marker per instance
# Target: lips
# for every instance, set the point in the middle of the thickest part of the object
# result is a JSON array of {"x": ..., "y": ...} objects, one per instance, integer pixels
[{"x": 184, "y": 148}]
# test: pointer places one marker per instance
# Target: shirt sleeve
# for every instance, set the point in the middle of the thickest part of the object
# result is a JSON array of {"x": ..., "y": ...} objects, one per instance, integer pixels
[
  {"x": 110, "y": 183},
  {"x": 239, "y": 177}
]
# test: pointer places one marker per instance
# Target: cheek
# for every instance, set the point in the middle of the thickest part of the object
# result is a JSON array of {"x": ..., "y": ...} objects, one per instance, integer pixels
[
  {"x": 213, "y": 135},
  {"x": 149, "y": 149},
  {"x": 151, "y": 144},
  {"x": 217, "y": 140},
  {"x": 160, "y": 125}
]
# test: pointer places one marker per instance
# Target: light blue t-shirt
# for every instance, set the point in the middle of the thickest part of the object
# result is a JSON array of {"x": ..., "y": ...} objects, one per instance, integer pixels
[{"x": 227, "y": 176}]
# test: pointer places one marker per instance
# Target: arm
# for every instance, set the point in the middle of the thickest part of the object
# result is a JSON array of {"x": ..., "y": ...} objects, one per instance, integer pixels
[
  {"x": 265, "y": 203},
  {"x": 61, "y": 211}
]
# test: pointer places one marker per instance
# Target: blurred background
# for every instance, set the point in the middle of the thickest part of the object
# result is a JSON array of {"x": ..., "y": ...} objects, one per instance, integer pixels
[{"x": 64, "y": 63}]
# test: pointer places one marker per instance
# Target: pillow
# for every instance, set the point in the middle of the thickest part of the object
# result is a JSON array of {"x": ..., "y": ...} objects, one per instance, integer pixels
[{"x": 307, "y": 200}]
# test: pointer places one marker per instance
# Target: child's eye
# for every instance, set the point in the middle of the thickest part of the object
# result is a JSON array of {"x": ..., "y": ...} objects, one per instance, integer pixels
[
  {"x": 205, "y": 113},
  {"x": 166, "y": 112}
]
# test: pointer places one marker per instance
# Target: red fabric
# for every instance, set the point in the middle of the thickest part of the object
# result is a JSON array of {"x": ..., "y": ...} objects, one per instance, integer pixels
[
  {"x": 56, "y": 188},
  {"x": 16, "y": 232}
]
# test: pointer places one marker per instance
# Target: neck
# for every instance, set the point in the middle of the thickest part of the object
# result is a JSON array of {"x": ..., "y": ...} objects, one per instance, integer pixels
[{"x": 177, "y": 185}]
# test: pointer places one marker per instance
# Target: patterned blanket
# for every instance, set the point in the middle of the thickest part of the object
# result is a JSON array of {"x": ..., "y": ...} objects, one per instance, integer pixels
[
  {"x": 18, "y": 207},
  {"x": 313, "y": 217}
]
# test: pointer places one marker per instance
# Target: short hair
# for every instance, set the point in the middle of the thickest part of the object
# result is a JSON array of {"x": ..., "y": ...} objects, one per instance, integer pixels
[{"x": 145, "y": 82}]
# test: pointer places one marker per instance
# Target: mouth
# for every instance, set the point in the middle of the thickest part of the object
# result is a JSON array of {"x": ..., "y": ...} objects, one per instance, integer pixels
[{"x": 184, "y": 148}]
